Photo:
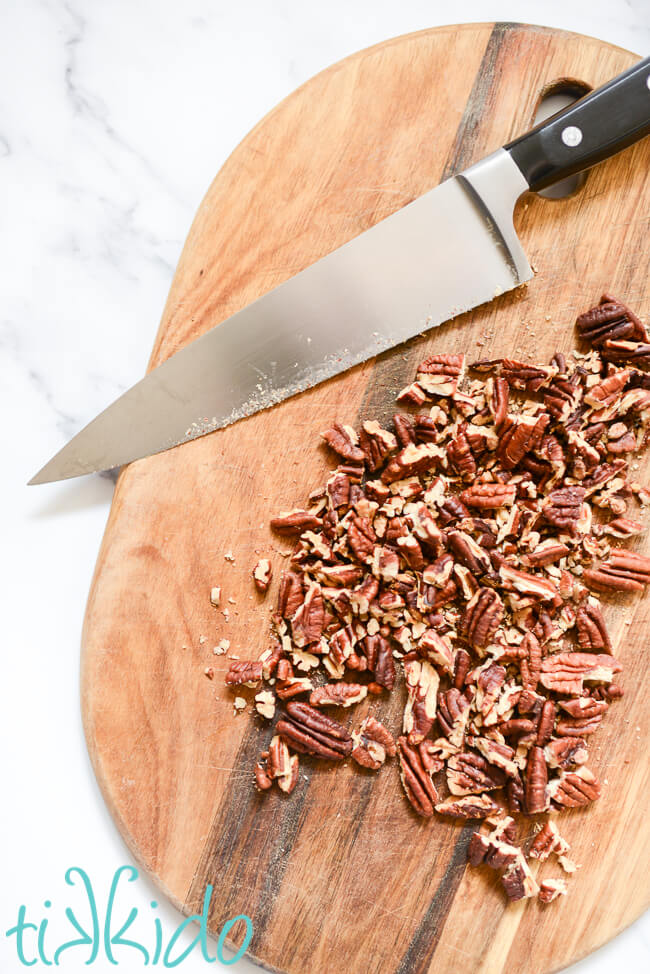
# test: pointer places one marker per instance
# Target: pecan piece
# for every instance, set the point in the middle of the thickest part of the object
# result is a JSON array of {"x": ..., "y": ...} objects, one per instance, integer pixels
[
  {"x": 518, "y": 881},
  {"x": 566, "y": 673},
  {"x": 248, "y": 672},
  {"x": 624, "y": 571},
  {"x": 295, "y": 522},
  {"x": 471, "y": 774},
  {"x": 531, "y": 661},
  {"x": 609, "y": 320},
  {"x": 546, "y": 723},
  {"x": 416, "y": 780},
  {"x": 523, "y": 435},
  {"x": 377, "y": 444},
  {"x": 440, "y": 375},
  {"x": 380, "y": 660},
  {"x": 344, "y": 441},
  {"x": 565, "y": 752},
  {"x": 290, "y": 594},
  {"x": 468, "y": 806},
  {"x": 311, "y": 732},
  {"x": 550, "y": 889},
  {"x": 497, "y": 392},
  {"x": 411, "y": 460},
  {"x": 308, "y": 620},
  {"x": 563, "y": 508},
  {"x": 281, "y": 766},
  {"x": 521, "y": 375},
  {"x": 338, "y": 695},
  {"x": 422, "y": 684},
  {"x": 372, "y": 744},
  {"x": 453, "y": 714},
  {"x": 469, "y": 553},
  {"x": 482, "y": 617},
  {"x": 623, "y": 528},
  {"x": 536, "y": 782},
  {"x": 499, "y": 755},
  {"x": 460, "y": 454},
  {"x": 592, "y": 631},
  {"x": 437, "y": 649},
  {"x": 527, "y": 584},
  {"x": 574, "y": 788},
  {"x": 547, "y": 841},
  {"x": 361, "y": 538},
  {"x": 489, "y": 496},
  {"x": 262, "y": 574}
]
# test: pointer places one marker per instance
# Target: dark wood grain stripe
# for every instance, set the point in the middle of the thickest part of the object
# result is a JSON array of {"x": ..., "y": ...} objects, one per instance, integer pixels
[{"x": 425, "y": 940}]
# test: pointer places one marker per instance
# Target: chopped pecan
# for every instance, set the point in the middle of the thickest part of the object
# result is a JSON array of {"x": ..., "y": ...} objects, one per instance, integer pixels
[
  {"x": 437, "y": 649},
  {"x": 518, "y": 881},
  {"x": 412, "y": 459},
  {"x": 262, "y": 574},
  {"x": 338, "y": 695},
  {"x": 565, "y": 752},
  {"x": 248, "y": 672},
  {"x": 497, "y": 391},
  {"x": 462, "y": 665},
  {"x": 380, "y": 660},
  {"x": 344, "y": 441},
  {"x": 592, "y": 631},
  {"x": 422, "y": 684},
  {"x": 630, "y": 352},
  {"x": 361, "y": 538},
  {"x": 623, "y": 528},
  {"x": 471, "y": 774},
  {"x": 574, "y": 788},
  {"x": 609, "y": 320},
  {"x": 469, "y": 553},
  {"x": 482, "y": 618},
  {"x": 309, "y": 731},
  {"x": 547, "y": 841},
  {"x": 418, "y": 785},
  {"x": 500, "y": 755},
  {"x": 468, "y": 806},
  {"x": 372, "y": 744},
  {"x": 377, "y": 444},
  {"x": 527, "y": 584},
  {"x": 536, "y": 782},
  {"x": 460, "y": 454},
  {"x": 453, "y": 714},
  {"x": 290, "y": 594},
  {"x": 439, "y": 375},
  {"x": 546, "y": 723},
  {"x": 608, "y": 393},
  {"x": 523, "y": 435},
  {"x": 521, "y": 375},
  {"x": 281, "y": 766},
  {"x": 563, "y": 508},
  {"x": 404, "y": 429},
  {"x": 566, "y": 673},
  {"x": 531, "y": 661},
  {"x": 624, "y": 571},
  {"x": 308, "y": 619},
  {"x": 489, "y": 496},
  {"x": 287, "y": 684},
  {"x": 294, "y": 522},
  {"x": 585, "y": 715},
  {"x": 550, "y": 889}
]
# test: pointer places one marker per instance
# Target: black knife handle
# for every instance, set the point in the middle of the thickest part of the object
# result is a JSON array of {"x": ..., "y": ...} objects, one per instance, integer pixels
[{"x": 592, "y": 129}]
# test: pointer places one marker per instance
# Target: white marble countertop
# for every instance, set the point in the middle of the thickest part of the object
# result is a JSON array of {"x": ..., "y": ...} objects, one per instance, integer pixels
[{"x": 114, "y": 118}]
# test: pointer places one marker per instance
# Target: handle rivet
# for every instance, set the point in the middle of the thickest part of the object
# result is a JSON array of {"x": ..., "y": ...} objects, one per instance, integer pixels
[
  {"x": 647, "y": 81},
  {"x": 572, "y": 136}
]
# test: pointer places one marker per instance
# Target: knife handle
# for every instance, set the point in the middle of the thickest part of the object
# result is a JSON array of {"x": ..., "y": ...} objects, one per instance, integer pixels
[{"x": 592, "y": 129}]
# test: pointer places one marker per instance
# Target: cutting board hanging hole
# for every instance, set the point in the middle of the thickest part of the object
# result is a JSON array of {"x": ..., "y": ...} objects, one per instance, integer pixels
[{"x": 555, "y": 97}]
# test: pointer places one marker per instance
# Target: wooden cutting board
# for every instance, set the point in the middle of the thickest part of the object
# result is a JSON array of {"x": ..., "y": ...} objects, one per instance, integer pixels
[{"x": 341, "y": 876}]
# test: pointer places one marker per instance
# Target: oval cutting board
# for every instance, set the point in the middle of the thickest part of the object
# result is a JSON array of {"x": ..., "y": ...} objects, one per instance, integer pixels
[{"x": 342, "y": 877}]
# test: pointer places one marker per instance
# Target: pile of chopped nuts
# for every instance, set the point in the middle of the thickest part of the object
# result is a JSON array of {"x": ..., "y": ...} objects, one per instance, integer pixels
[{"x": 464, "y": 548}]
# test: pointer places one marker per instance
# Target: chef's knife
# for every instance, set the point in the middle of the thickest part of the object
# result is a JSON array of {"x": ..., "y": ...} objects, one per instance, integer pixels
[{"x": 447, "y": 252}]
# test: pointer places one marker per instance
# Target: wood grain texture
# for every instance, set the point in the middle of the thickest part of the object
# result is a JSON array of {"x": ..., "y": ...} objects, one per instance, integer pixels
[{"x": 342, "y": 876}]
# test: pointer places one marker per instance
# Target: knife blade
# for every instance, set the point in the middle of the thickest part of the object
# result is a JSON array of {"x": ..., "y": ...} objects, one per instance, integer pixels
[{"x": 451, "y": 250}]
